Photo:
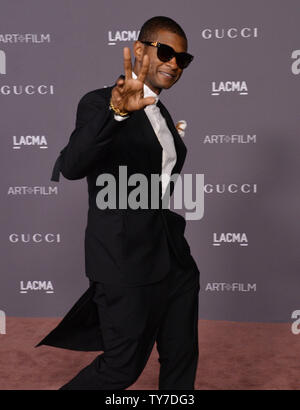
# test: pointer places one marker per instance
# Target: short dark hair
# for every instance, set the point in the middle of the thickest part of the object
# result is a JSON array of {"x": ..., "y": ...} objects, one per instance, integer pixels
[{"x": 157, "y": 23}]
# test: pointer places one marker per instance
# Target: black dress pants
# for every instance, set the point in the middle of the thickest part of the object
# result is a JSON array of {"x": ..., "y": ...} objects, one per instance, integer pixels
[{"x": 132, "y": 319}]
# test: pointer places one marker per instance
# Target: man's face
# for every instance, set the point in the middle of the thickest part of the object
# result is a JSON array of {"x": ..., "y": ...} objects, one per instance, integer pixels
[{"x": 162, "y": 75}]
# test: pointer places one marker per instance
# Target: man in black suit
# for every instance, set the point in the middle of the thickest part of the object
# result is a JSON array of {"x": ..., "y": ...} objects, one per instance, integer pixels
[{"x": 144, "y": 283}]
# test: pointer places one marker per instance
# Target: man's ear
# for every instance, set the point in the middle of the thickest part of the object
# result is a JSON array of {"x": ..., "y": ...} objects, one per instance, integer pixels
[{"x": 138, "y": 49}]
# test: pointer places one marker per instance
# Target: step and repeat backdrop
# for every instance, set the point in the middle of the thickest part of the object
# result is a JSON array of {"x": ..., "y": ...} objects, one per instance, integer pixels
[{"x": 240, "y": 98}]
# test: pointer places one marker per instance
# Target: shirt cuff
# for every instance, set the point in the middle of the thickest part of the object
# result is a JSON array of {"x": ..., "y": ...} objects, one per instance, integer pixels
[{"x": 119, "y": 117}]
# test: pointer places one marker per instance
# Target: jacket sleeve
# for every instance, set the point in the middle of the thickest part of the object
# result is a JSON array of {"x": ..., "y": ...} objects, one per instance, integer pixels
[{"x": 90, "y": 140}]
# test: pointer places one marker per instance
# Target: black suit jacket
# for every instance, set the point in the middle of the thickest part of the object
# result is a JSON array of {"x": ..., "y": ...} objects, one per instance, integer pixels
[{"x": 123, "y": 246}]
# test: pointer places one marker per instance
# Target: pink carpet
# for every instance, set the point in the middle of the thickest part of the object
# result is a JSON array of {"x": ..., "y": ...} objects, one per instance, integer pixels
[{"x": 233, "y": 356}]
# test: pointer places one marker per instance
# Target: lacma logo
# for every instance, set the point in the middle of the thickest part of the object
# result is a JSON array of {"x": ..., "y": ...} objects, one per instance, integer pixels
[
  {"x": 2, "y": 323},
  {"x": 123, "y": 35},
  {"x": 29, "y": 140},
  {"x": 230, "y": 237},
  {"x": 36, "y": 285},
  {"x": 229, "y": 87},
  {"x": 2, "y": 62}
]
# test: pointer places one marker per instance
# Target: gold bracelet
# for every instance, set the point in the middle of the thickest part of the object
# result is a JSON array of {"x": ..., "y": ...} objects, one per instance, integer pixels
[{"x": 117, "y": 111}]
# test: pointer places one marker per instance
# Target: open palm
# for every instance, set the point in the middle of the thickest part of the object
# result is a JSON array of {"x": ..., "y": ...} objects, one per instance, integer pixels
[{"x": 128, "y": 94}]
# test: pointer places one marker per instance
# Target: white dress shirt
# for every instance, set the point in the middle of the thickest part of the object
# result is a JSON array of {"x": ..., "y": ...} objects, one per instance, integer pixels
[{"x": 163, "y": 134}]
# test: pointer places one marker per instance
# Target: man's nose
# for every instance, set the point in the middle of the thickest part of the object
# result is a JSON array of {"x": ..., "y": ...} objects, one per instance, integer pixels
[{"x": 173, "y": 63}]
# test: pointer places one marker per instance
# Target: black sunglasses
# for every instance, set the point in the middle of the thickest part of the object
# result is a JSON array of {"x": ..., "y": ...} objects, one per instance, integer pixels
[{"x": 166, "y": 53}]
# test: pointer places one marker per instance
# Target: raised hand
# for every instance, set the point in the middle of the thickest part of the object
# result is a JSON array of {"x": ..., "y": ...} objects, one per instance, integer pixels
[{"x": 128, "y": 94}]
